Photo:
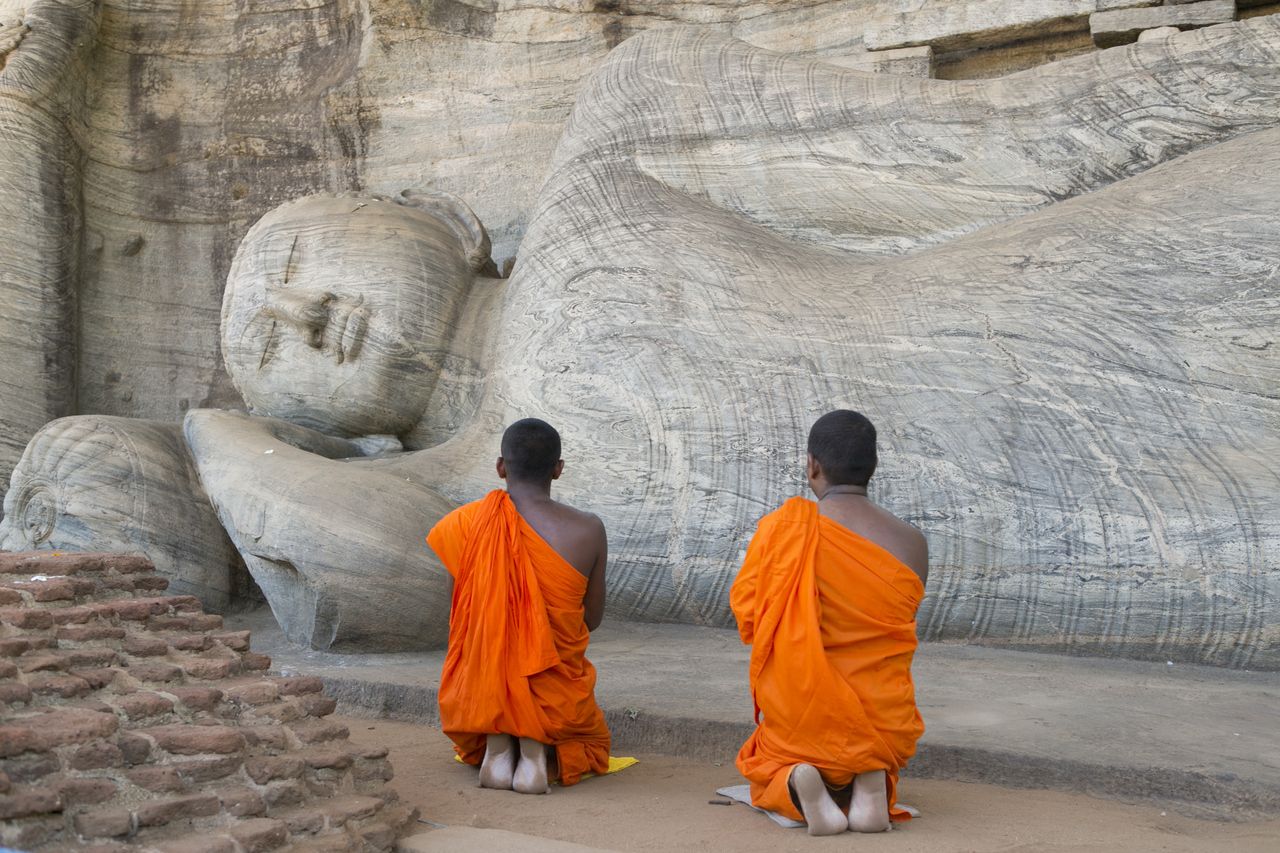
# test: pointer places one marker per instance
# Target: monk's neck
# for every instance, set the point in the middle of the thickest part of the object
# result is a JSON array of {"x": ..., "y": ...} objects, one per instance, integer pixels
[
  {"x": 529, "y": 492},
  {"x": 826, "y": 491}
]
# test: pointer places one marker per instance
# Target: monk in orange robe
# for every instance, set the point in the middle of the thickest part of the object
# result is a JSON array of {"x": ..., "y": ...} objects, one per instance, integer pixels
[
  {"x": 528, "y": 588},
  {"x": 827, "y": 599}
]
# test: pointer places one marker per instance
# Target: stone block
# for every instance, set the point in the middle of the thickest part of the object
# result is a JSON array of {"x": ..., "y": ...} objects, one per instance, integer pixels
[
  {"x": 260, "y": 834},
  {"x": 8, "y": 669},
  {"x": 198, "y": 844},
  {"x": 235, "y": 640},
  {"x": 17, "y": 739},
  {"x": 26, "y": 619},
  {"x": 971, "y": 24},
  {"x": 28, "y": 802},
  {"x": 302, "y": 820},
  {"x": 62, "y": 726},
  {"x": 256, "y": 662},
  {"x": 318, "y": 731},
  {"x": 158, "y": 813},
  {"x": 135, "y": 748},
  {"x": 5, "y": 784},
  {"x": 144, "y": 646},
  {"x": 338, "y": 759},
  {"x": 367, "y": 771},
  {"x": 160, "y": 779},
  {"x": 89, "y": 633},
  {"x": 66, "y": 686},
  {"x": 191, "y": 642},
  {"x": 143, "y": 704},
  {"x": 96, "y": 678},
  {"x": 85, "y": 791},
  {"x": 259, "y": 692},
  {"x": 208, "y": 769},
  {"x": 282, "y": 712},
  {"x": 196, "y": 740},
  {"x": 267, "y": 737},
  {"x": 95, "y": 755},
  {"x": 15, "y": 693},
  {"x": 51, "y": 589},
  {"x": 10, "y": 596},
  {"x": 30, "y": 766},
  {"x": 316, "y": 705},
  {"x": 91, "y": 657},
  {"x": 82, "y": 613},
  {"x": 155, "y": 670},
  {"x": 283, "y": 794},
  {"x": 1123, "y": 26},
  {"x": 242, "y": 801},
  {"x": 298, "y": 684},
  {"x": 208, "y": 669},
  {"x": 264, "y": 769},
  {"x": 104, "y": 823},
  {"x": 343, "y": 809},
  {"x": 198, "y": 698},
  {"x": 43, "y": 661}
]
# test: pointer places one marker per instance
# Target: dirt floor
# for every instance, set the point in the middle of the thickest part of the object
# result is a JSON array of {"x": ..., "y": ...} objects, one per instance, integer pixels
[{"x": 662, "y": 804}]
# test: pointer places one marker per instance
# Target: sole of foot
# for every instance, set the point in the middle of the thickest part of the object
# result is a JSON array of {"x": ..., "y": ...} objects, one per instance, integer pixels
[
  {"x": 869, "y": 809},
  {"x": 499, "y": 766},
  {"x": 820, "y": 812},
  {"x": 531, "y": 769}
]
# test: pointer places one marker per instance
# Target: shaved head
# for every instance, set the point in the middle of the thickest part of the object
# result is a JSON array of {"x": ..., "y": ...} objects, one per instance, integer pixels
[
  {"x": 844, "y": 444},
  {"x": 530, "y": 450}
]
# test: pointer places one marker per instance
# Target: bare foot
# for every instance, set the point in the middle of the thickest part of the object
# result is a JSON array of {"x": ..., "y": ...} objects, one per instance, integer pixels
[
  {"x": 820, "y": 811},
  {"x": 869, "y": 810},
  {"x": 531, "y": 770},
  {"x": 499, "y": 765}
]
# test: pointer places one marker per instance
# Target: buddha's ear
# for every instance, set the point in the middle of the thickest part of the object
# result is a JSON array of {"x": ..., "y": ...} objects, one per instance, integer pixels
[{"x": 460, "y": 219}]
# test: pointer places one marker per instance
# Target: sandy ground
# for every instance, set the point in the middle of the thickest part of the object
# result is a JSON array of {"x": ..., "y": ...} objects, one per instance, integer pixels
[{"x": 662, "y": 804}]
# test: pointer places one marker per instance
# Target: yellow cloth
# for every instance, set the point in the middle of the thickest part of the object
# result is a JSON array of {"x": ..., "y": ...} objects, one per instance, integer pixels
[{"x": 616, "y": 763}]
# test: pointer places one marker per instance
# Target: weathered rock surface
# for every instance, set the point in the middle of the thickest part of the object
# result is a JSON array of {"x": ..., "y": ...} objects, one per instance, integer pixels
[
  {"x": 1047, "y": 355},
  {"x": 96, "y": 483},
  {"x": 133, "y": 721},
  {"x": 1052, "y": 390},
  {"x": 44, "y": 64},
  {"x": 149, "y": 136}
]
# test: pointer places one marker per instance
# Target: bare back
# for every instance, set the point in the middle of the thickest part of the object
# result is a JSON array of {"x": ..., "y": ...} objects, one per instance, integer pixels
[
  {"x": 877, "y": 524},
  {"x": 577, "y": 536}
]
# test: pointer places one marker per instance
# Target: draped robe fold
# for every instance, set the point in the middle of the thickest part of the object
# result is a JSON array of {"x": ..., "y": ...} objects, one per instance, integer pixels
[
  {"x": 517, "y": 660},
  {"x": 830, "y": 617}
]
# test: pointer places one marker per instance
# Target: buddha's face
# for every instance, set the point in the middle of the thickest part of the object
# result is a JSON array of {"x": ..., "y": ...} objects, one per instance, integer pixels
[{"x": 338, "y": 312}]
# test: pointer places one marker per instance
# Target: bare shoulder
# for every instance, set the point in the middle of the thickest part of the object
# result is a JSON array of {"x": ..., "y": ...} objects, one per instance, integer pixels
[
  {"x": 583, "y": 523},
  {"x": 906, "y": 542}
]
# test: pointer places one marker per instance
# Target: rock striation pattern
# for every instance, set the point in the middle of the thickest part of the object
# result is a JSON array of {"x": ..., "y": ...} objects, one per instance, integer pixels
[{"x": 130, "y": 720}]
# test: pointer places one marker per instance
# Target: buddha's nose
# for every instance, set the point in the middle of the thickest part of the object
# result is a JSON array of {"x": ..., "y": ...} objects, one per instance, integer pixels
[{"x": 308, "y": 312}]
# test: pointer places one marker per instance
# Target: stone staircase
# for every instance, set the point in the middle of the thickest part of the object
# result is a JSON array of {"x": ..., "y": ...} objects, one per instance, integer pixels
[{"x": 133, "y": 720}]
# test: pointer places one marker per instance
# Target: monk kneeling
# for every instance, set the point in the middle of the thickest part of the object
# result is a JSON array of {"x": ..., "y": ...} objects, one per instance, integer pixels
[
  {"x": 827, "y": 597},
  {"x": 528, "y": 588}
]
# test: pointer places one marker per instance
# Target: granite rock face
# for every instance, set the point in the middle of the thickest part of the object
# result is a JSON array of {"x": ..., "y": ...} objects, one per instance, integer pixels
[
  {"x": 149, "y": 136},
  {"x": 1072, "y": 384},
  {"x": 1075, "y": 385}
]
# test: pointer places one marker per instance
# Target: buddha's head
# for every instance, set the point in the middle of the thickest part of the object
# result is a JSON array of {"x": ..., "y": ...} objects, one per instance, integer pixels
[{"x": 339, "y": 310}]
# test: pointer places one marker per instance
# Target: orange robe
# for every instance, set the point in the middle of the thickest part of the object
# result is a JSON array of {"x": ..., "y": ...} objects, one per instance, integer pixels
[
  {"x": 517, "y": 661},
  {"x": 830, "y": 617}
]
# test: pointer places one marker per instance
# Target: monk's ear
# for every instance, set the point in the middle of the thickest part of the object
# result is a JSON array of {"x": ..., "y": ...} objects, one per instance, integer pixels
[
  {"x": 813, "y": 469},
  {"x": 501, "y": 468},
  {"x": 558, "y": 470}
]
